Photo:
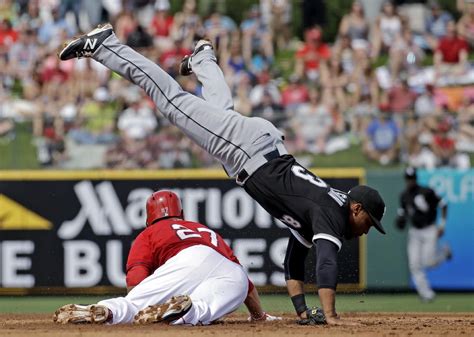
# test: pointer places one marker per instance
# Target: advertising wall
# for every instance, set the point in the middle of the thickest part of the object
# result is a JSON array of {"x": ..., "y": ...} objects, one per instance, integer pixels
[
  {"x": 65, "y": 232},
  {"x": 457, "y": 189}
]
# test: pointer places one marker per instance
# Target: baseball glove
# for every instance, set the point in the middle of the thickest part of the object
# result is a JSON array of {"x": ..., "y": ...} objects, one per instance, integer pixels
[{"x": 314, "y": 316}]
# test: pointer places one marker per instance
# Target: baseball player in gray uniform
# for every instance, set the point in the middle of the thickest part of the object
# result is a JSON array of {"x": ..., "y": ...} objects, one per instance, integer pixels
[{"x": 251, "y": 150}]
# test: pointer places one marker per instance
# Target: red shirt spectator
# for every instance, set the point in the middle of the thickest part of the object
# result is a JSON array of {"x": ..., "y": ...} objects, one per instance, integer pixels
[
  {"x": 7, "y": 34},
  {"x": 295, "y": 93},
  {"x": 450, "y": 48},
  {"x": 173, "y": 57},
  {"x": 311, "y": 53},
  {"x": 161, "y": 23},
  {"x": 400, "y": 98}
]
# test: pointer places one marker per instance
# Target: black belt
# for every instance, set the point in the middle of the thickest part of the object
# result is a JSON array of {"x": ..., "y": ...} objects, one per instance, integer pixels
[{"x": 243, "y": 175}]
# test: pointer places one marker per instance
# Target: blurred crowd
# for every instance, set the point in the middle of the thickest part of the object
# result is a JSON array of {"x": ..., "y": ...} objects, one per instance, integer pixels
[{"x": 400, "y": 86}]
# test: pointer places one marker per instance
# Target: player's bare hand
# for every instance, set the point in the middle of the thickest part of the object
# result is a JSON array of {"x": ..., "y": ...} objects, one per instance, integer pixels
[{"x": 340, "y": 321}]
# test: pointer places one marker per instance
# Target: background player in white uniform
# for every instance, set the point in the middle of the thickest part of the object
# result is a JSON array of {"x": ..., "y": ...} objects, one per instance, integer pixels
[
  {"x": 177, "y": 271},
  {"x": 419, "y": 206},
  {"x": 252, "y": 151}
]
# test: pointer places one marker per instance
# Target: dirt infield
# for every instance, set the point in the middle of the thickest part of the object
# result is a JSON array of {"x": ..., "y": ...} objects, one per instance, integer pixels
[{"x": 235, "y": 325}]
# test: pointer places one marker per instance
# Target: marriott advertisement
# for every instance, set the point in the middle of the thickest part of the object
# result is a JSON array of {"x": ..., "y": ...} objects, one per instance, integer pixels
[{"x": 70, "y": 232}]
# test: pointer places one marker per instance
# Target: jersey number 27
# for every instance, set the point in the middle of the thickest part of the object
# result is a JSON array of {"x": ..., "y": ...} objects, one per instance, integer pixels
[{"x": 186, "y": 233}]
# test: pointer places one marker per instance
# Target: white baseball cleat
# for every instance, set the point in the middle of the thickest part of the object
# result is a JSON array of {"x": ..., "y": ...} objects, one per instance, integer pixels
[
  {"x": 76, "y": 314},
  {"x": 173, "y": 309},
  {"x": 85, "y": 45}
]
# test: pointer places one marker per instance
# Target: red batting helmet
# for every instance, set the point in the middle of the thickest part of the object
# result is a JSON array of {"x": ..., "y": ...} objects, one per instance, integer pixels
[{"x": 161, "y": 205}]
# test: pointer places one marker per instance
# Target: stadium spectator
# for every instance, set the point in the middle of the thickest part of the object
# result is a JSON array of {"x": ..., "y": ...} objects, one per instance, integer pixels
[
  {"x": 313, "y": 124},
  {"x": 22, "y": 56},
  {"x": 405, "y": 56},
  {"x": 356, "y": 27},
  {"x": 358, "y": 117},
  {"x": 276, "y": 14},
  {"x": 137, "y": 121},
  {"x": 451, "y": 54},
  {"x": 425, "y": 104},
  {"x": 444, "y": 147},
  {"x": 294, "y": 94},
  {"x": 387, "y": 27},
  {"x": 96, "y": 121},
  {"x": 343, "y": 51},
  {"x": 401, "y": 98},
  {"x": 334, "y": 82},
  {"x": 363, "y": 84},
  {"x": 125, "y": 23},
  {"x": 8, "y": 36},
  {"x": 310, "y": 54},
  {"x": 139, "y": 38},
  {"x": 171, "y": 58},
  {"x": 256, "y": 36},
  {"x": 31, "y": 17},
  {"x": 465, "y": 25},
  {"x": 465, "y": 126},
  {"x": 50, "y": 31},
  {"x": 264, "y": 86},
  {"x": 218, "y": 28},
  {"x": 382, "y": 139},
  {"x": 242, "y": 88},
  {"x": 436, "y": 23},
  {"x": 187, "y": 24},
  {"x": 269, "y": 109},
  {"x": 161, "y": 26}
]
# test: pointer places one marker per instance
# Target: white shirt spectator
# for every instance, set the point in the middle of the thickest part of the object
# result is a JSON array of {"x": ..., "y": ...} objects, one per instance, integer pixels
[{"x": 137, "y": 122}]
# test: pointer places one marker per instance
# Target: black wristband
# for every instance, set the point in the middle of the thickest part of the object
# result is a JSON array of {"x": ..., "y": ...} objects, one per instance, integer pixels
[{"x": 299, "y": 303}]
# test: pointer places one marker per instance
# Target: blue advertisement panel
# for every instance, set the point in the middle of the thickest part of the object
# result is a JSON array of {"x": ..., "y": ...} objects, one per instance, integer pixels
[{"x": 457, "y": 189}]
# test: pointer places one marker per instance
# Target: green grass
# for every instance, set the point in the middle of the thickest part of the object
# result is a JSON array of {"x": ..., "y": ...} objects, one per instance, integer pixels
[
  {"x": 279, "y": 303},
  {"x": 19, "y": 153}
]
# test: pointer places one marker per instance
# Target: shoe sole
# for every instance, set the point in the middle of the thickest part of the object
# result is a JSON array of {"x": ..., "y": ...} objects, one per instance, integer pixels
[
  {"x": 78, "y": 314},
  {"x": 98, "y": 29},
  {"x": 171, "y": 310}
]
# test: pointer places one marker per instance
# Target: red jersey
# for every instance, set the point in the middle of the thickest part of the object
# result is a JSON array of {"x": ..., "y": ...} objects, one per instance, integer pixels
[
  {"x": 451, "y": 47},
  {"x": 312, "y": 55},
  {"x": 163, "y": 240}
]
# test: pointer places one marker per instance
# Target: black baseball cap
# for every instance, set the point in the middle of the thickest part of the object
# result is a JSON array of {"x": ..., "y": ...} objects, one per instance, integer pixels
[
  {"x": 372, "y": 202},
  {"x": 410, "y": 173}
]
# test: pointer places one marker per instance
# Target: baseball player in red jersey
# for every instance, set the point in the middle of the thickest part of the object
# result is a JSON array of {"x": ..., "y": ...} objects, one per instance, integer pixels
[{"x": 178, "y": 271}]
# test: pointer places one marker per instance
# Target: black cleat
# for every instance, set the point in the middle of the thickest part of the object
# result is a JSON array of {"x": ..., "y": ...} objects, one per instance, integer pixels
[
  {"x": 185, "y": 65},
  {"x": 85, "y": 45}
]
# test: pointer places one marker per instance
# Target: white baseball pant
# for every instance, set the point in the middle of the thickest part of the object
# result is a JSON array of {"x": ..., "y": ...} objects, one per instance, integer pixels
[{"x": 216, "y": 286}]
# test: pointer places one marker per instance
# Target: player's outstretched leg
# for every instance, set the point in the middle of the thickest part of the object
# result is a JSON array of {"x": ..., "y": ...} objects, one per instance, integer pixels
[
  {"x": 203, "y": 63},
  {"x": 229, "y": 137},
  {"x": 76, "y": 314},
  {"x": 173, "y": 309}
]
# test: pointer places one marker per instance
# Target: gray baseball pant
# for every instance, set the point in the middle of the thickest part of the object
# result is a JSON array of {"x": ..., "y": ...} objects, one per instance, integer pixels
[
  {"x": 424, "y": 252},
  {"x": 238, "y": 142}
]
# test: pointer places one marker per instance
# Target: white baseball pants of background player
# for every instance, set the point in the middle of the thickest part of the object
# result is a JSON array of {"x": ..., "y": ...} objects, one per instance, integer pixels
[
  {"x": 216, "y": 286},
  {"x": 424, "y": 252},
  {"x": 238, "y": 142}
]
